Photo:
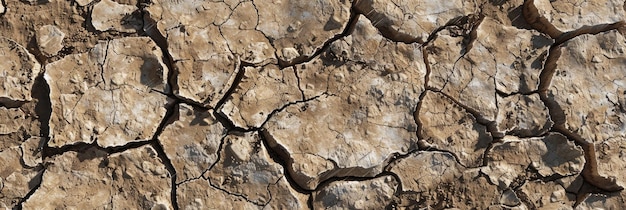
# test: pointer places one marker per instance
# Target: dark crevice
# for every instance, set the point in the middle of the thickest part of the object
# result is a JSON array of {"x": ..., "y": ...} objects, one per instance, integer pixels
[
  {"x": 291, "y": 103},
  {"x": 592, "y": 30},
  {"x": 149, "y": 28},
  {"x": 49, "y": 152},
  {"x": 170, "y": 168},
  {"x": 171, "y": 115},
  {"x": 538, "y": 22},
  {"x": 240, "y": 74},
  {"x": 590, "y": 171},
  {"x": 350, "y": 26},
  {"x": 35, "y": 186},
  {"x": 281, "y": 156},
  {"x": 382, "y": 23}
]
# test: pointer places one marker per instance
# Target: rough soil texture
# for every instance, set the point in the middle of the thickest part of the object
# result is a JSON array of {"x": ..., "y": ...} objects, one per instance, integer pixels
[{"x": 297, "y": 104}]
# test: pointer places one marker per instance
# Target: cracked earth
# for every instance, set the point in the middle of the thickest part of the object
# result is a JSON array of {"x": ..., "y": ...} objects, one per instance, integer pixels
[{"x": 294, "y": 104}]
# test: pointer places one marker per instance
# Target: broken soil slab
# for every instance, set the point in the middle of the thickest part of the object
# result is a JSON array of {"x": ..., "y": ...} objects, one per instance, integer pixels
[
  {"x": 437, "y": 180},
  {"x": 375, "y": 193},
  {"x": 107, "y": 94},
  {"x": 18, "y": 71},
  {"x": 551, "y": 155},
  {"x": 471, "y": 65},
  {"x": 16, "y": 178},
  {"x": 569, "y": 15},
  {"x": 50, "y": 40},
  {"x": 245, "y": 168},
  {"x": 465, "y": 137},
  {"x": 261, "y": 91},
  {"x": 413, "y": 21},
  {"x": 359, "y": 104},
  {"x": 135, "y": 178},
  {"x": 109, "y": 15},
  {"x": 588, "y": 84},
  {"x": 245, "y": 177},
  {"x": 300, "y": 28},
  {"x": 191, "y": 142}
]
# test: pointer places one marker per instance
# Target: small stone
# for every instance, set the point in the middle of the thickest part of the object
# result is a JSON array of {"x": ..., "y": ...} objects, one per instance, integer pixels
[
  {"x": 289, "y": 53},
  {"x": 50, "y": 40}
]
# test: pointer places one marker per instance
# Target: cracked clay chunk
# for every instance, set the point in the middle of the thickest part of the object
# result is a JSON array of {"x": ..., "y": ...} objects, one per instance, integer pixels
[
  {"x": 568, "y": 15},
  {"x": 446, "y": 126},
  {"x": 546, "y": 195},
  {"x": 437, "y": 180},
  {"x": 471, "y": 70},
  {"x": 50, "y": 40},
  {"x": 199, "y": 194},
  {"x": 261, "y": 91},
  {"x": 20, "y": 169},
  {"x": 368, "y": 194},
  {"x": 245, "y": 168},
  {"x": 109, "y": 15},
  {"x": 18, "y": 71},
  {"x": 413, "y": 21},
  {"x": 245, "y": 177},
  {"x": 107, "y": 94},
  {"x": 550, "y": 155},
  {"x": 192, "y": 141},
  {"x": 133, "y": 179},
  {"x": 301, "y": 27},
  {"x": 589, "y": 85},
  {"x": 205, "y": 65},
  {"x": 611, "y": 162},
  {"x": 358, "y": 110}
]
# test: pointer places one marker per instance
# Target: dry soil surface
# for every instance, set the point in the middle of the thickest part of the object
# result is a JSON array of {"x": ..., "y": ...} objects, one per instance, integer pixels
[{"x": 300, "y": 104}]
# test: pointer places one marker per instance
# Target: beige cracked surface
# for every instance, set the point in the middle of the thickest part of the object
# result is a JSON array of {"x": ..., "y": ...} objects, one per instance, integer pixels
[{"x": 329, "y": 104}]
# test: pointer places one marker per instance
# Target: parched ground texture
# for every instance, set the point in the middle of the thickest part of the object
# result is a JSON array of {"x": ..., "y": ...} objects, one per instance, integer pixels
[{"x": 300, "y": 104}]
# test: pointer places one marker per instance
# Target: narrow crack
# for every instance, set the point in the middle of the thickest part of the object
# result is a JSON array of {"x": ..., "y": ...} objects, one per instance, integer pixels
[
  {"x": 170, "y": 168},
  {"x": 480, "y": 119},
  {"x": 350, "y": 26}
]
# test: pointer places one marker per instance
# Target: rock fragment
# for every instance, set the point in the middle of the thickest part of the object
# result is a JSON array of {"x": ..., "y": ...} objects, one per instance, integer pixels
[
  {"x": 18, "y": 71},
  {"x": 191, "y": 142},
  {"x": 135, "y": 179},
  {"x": 109, "y": 15},
  {"x": 360, "y": 103},
  {"x": 376, "y": 193},
  {"x": 2, "y": 8},
  {"x": 107, "y": 95},
  {"x": 50, "y": 40}
]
